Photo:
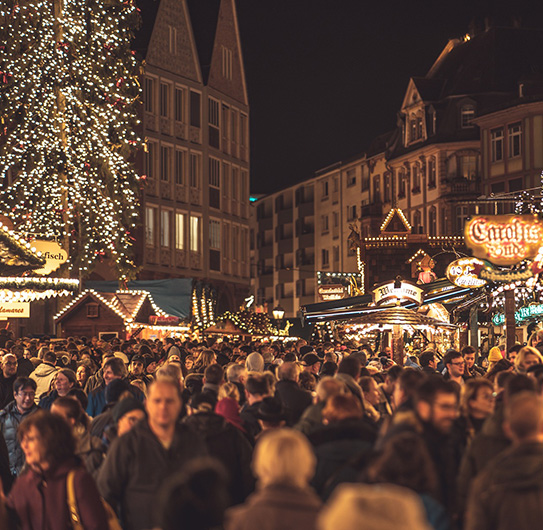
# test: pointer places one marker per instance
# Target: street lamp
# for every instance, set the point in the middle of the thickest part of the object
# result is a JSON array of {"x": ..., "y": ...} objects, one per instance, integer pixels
[{"x": 278, "y": 313}]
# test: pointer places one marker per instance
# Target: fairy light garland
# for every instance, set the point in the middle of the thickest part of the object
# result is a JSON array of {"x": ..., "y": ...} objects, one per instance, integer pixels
[{"x": 68, "y": 120}]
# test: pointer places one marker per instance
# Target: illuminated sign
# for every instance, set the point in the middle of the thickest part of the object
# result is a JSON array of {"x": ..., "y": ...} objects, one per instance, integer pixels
[
  {"x": 332, "y": 292},
  {"x": 524, "y": 313},
  {"x": 392, "y": 292},
  {"x": 504, "y": 239},
  {"x": 15, "y": 310},
  {"x": 463, "y": 272},
  {"x": 163, "y": 321},
  {"x": 53, "y": 254}
]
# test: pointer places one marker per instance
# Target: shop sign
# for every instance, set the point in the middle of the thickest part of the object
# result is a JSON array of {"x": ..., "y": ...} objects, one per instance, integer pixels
[
  {"x": 524, "y": 313},
  {"x": 462, "y": 272},
  {"x": 504, "y": 239},
  {"x": 155, "y": 320},
  {"x": 332, "y": 292},
  {"x": 393, "y": 292},
  {"x": 15, "y": 310},
  {"x": 53, "y": 254}
]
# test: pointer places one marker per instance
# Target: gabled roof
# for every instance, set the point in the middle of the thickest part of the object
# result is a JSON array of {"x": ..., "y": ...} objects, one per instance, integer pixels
[
  {"x": 125, "y": 304},
  {"x": 395, "y": 222},
  {"x": 148, "y": 11},
  {"x": 204, "y": 16}
]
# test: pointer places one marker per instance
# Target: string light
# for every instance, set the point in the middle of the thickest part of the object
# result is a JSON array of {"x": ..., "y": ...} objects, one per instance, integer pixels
[{"x": 68, "y": 93}]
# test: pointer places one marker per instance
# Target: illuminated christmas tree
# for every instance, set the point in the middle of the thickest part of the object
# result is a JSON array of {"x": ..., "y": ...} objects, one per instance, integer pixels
[{"x": 68, "y": 94}]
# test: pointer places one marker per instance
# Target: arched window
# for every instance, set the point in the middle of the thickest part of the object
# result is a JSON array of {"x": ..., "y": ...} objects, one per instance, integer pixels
[{"x": 467, "y": 113}]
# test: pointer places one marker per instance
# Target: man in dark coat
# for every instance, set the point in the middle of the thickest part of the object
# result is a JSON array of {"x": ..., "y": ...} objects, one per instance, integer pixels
[
  {"x": 509, "y": 493},
  {"x": 256, "y": 390},
  {"x": 8, "y": 374},
  {"x": 138, "y": 462},
  {"x": 224, "y": 442},
  {"x": 294, "y": 399}
]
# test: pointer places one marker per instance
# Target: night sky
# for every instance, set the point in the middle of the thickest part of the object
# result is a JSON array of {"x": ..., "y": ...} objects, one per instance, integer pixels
[{"x": 327, "y": 76}]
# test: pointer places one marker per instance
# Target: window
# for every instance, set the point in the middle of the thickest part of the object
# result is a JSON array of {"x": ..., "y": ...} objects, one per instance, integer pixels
[
  {"x": 300, "y": 288},
  {"x": 468, "y": 167},
  {"x": 179, "y": 104},
  {"x": 194, "y": 233},
  {"x": 149, "y": 94},
  {"x": 432, "y": 221},
  {"x": 180, "y": 167},
  {"x": 234, "y": 126},
  {"x": 226, "y": 241},
  {"x": 467, "y": 113},
  {"x": 243, "y": 245},
  {"x": 336, "y": 219},
  {"x": 377, "y": 189},
  {"x": 351, "y": 212},
  {"x": 195, "y": 168},
  {"x": 165, "y": 160},
  {"x": 164, "y": 99},
  {"x": 432, "y": 170},
  {"x": 235, "y": 183},
  {"x": 214, "y": 235},
  {"x": 351, "y": 177},
  {"x": 149, "y": 160},
  {"x": 150, "y": 225},
  {"x": 416, "y": 178},
  {"x": 172, "y": 40},
  {"x": 496, "y": 144},
  {"x": 244, "y": 192},
  {"x": 225, "y": 118},
  {"x": 336, "y": 185},
  {"x": 401, "y": 184},
  {"x": 93, "y": 310},
  {"x": 180, "y": 231},
  {"x": 235, "y": 243},
  {"x": 388, "y": 191},
  {"x": 165, "y": 221},
  {"x": 336, "y": 254},
  {"x": 516, "y": 185},
  {"x": 226, "y": 180},
  {"x": 279, "y": 291},
  {"x": 498, "y": 187},
  {"x": 195, "y": 110},
  {"x": 324, "y": 224},
  {"x": 325, "y": 257},
  {"x": 214, "y": 183},
  {"x": 324, "y": 185},
  {"x": 417, "y": 222},
  {"x": 415, "y": 128},
  {"x": 515, "y": 136},
  {"x": 462, "y": 215},
  {"x": 214, "y": 131},
  {"x": 243, "y": 130},
  {"x": 227, "y": 62},
  {"x": 365, "y": 178}
]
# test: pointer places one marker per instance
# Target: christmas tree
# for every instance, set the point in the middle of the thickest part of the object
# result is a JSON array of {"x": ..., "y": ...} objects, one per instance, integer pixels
[{"x": 68, "y": 94}]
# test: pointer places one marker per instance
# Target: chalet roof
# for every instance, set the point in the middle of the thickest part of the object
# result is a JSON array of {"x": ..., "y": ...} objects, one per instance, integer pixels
[
  {"x": 204, "y": 16},
  {"x": 125, "y": 304},
  {"x": 395, "y": 222}
]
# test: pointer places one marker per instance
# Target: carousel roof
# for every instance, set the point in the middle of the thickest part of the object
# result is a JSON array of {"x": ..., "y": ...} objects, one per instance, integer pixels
[{"x": 399, "y": 316}]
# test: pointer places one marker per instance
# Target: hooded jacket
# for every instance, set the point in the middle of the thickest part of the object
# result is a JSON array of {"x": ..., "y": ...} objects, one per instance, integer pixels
[
  {"x": 509, "y": 492},
  {"x": 43, "y": 375}
]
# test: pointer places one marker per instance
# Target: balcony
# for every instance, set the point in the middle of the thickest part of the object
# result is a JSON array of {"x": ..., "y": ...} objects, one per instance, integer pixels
[
  {"x": 306, "y": 240},
  {"x": 284, "y": 246},
  {"x": 306, "y": 209},
  {"x": 462, "y": 185},
  {"x": 285, "y": 275},
  {"x": 284, "y": 216},
  {"x": 371, "y": 210}
]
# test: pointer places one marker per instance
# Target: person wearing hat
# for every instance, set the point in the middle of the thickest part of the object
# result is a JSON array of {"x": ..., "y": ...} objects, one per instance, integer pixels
[
  {"x": 312, "y": 363},
  {"x": 271, "y": 415},
  {"x": 126, "y": 413},
  {"x": 494, "y": 355}
]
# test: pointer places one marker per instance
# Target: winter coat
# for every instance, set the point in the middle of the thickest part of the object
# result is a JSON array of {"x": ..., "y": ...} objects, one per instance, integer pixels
[
  {"x": 294, "y": 400},
  {"x": 230, "y": 447},
  {"x": 40, "y": 501},
  {"x": 342, "y": 449},
  {"x": 10, "y": 419},
  {"x": 137, "y": 464},
  {"x": 90, "y": 449},
  {"x": 6, "y": 389},
  {"x": 249, "y": 418},
  {"x": 485, "y": 446},
  {"x": 43, "y": 375},
  {"x": 311, "y": 418},
  {"x": 276, "y": 508},
  {"x": 509, "y": 492},
  {"x": 5, "y": 472}
]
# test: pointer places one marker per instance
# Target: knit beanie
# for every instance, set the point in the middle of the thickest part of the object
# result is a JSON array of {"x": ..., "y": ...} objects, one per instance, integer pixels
[{"x": 125, "y": 406}]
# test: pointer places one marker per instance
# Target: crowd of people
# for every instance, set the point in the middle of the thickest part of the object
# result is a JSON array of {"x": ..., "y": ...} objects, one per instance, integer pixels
[{"x": 222, "y": 434}]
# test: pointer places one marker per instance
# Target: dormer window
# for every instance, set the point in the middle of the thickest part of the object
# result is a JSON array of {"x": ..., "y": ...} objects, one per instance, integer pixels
[
  {"x": 467, "y": 113},
  {"x": 415, "y": 128}
]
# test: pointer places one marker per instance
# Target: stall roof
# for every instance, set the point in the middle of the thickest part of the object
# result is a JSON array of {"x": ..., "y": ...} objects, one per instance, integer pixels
[
  {"x": 347, "y": 308},
  {"x": 173, "y": 296}
]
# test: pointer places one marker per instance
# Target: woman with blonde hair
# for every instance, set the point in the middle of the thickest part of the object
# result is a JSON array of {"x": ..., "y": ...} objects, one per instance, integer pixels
[
  {"x": 527, "y": 357},
  {"x": 283, "y": 463},
  {"x": 205, "y": 358}
]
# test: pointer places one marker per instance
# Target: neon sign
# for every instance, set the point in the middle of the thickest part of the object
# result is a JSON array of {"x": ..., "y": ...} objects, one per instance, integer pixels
[
  {"x": 463, "y": 272},
  {"x": 504, "y": 239}
]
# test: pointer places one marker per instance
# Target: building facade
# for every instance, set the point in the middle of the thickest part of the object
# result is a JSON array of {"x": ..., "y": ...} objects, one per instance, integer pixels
[
  {"x": 195, "y": 210},
  {"x": 468, "y": 133}
]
